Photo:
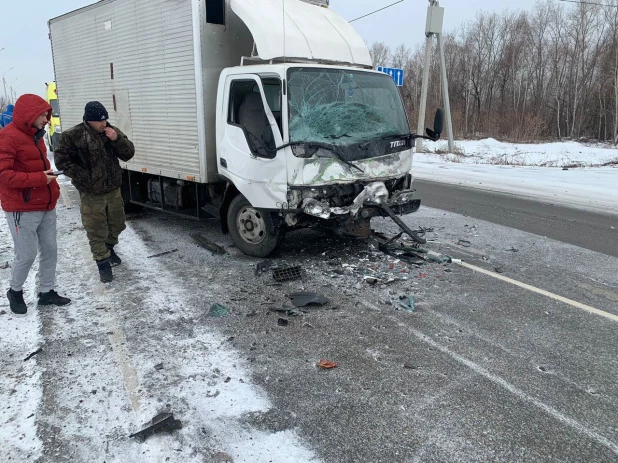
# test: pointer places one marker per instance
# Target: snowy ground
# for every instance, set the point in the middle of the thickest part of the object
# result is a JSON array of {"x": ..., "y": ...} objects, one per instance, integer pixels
[
  {"x": 95, "y": 381},
  {"x": 559, "y": 154},
  {"x": 530, "y": 171}
]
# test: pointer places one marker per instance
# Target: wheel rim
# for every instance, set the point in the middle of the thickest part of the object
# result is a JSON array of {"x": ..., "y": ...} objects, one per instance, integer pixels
[{"x": 251, "y": 226}]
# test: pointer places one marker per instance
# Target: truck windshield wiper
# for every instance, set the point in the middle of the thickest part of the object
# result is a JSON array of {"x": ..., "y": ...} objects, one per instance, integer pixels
[
  {"x": 332, "y": 148},
  {"x": 388, "y": 137}
]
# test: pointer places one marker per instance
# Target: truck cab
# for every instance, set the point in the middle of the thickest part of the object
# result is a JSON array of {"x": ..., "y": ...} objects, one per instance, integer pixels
[{"x": 308, "y": 150}]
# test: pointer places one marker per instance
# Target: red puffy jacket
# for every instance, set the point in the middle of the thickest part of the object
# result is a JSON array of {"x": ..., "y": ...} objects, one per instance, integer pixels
[{"x": 23, "y": 159}]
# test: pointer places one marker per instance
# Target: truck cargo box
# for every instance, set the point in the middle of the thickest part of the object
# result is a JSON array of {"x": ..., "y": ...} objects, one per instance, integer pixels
[{"x": 155, "y": 65}]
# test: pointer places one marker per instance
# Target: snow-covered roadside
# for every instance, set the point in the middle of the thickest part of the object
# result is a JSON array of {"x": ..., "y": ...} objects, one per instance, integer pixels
[
  {"x": 95, "y": 381},
  {"x": 557, "y": 154},
  {"x": 20, "y": 381},
  {"x": 593, "y": 189}
]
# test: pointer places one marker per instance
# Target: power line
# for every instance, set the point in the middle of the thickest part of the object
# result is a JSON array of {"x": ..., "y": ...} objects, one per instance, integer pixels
[
  {"x": 589, "y": 3},
  {"x": 373, "y": 12}
]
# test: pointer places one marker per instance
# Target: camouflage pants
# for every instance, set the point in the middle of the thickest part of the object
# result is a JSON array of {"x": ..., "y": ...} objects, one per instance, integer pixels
[{"x": 103, "y": 218}]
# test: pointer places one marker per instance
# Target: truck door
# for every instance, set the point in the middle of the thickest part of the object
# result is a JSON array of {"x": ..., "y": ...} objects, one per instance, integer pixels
[{"x": 247, "y": 149}]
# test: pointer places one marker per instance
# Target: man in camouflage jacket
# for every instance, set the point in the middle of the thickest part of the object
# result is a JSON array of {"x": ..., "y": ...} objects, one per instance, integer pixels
[{"x": 88, "y": 154}]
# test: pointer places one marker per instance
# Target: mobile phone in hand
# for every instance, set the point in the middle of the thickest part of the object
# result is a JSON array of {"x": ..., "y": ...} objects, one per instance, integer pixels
[{"x": 57, "y": 173}]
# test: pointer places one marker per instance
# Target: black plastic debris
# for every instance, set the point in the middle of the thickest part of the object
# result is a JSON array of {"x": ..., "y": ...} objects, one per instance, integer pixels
[
  {"x": 262, "y": 267},
  {"x": 281, "y": 274},
  {"x": 158, "y": 366},
  {"x": 207, "y": 244},
  {"x": 163, "y": 253},
  {"x": 499, "y": 269},
  {"x": 290, "y": 312},
  {"x": 163, "y": 422},
  {"x": 305, "y": 299},
  {"x": 38, "y": 351},
  {"x": 5, "y": 265},
  {"x": 282, "y": 322},
  {"x": 464, "y": 243},
  {"x": 512, "y": 250}
]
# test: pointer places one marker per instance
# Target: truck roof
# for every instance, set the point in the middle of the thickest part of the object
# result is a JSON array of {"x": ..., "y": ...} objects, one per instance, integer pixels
[{"x": 299, "y": 30}]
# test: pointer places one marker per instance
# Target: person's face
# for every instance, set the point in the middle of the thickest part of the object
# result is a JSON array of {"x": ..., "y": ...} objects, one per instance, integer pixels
[
  {"x": 41, "y": 121},
  {"x": 98, "y": 126}
]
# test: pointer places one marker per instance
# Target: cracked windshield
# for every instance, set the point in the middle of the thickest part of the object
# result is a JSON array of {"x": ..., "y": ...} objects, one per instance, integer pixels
[{"x": 342, "y": 107}]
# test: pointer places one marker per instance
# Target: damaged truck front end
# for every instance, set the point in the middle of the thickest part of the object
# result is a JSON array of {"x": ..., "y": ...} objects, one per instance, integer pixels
[{"x": 350, "y": 150}]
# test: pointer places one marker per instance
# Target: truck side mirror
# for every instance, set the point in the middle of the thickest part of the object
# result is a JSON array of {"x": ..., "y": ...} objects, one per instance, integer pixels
[{"x": 438, "y": 123}]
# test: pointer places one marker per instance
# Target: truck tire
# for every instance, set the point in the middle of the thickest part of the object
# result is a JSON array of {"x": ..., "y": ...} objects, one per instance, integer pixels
[{"x": 251, "y": 228}]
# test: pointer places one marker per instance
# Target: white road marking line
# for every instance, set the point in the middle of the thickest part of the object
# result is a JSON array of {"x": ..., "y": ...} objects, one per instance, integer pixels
[
  {"x": 534, "y": 289},
  {"x": 518, "y": 392},
  {"x": 543, "y": 292}
]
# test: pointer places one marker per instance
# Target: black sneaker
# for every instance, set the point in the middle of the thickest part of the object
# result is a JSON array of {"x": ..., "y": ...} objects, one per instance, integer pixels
[
  {"x": 105, "y": 270},
  {"x": 16, "y": 301},
  {"x": 114, "y": 260},
  {"x": 52, "y": 298}
]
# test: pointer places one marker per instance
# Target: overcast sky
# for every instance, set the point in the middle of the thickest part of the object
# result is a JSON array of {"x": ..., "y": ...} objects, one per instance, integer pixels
[{"x": 27, "y": 49}]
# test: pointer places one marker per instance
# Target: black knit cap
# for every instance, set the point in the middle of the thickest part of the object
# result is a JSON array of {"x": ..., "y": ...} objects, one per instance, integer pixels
[{"x": 95, "y": 111}]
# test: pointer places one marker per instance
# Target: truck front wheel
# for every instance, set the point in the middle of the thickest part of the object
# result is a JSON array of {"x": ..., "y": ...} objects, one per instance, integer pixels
[{"x": 252, "y": 229}]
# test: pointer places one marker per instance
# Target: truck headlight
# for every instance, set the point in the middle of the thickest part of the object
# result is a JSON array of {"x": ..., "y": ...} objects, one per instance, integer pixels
[{"x": 58, "y": 129}]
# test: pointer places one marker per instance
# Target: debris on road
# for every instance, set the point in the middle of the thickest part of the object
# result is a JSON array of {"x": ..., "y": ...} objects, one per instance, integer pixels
[
  {"x": 163, "y": 253},
  {"x": 158, "y": 366},
  {"x": 163, "y": 422},
  {"x": 5, "y": 266},
  {"x": 464, "y": 243},
  {"x": 327, "y": 364},
  {"x": 370, "y": 280},
  {"x": 407, "y": 302},
  {"x": 218, "y": 310},
  {"x": 499, "y": 269},
  {"x": 305, "y": 299},
  {"x": 283, "y": 322},
  {"x": 289, "y": 312},
  {"x": 439, "y": 258},
  {"x": 512, "y": 250},
  {"x": 38, "y": 351},
  {"x": 410, "y": 366},
  {"x": 207, "y": 244},
  {"x": 282, "y": 274},
  {"x": 262, "y": 267}
]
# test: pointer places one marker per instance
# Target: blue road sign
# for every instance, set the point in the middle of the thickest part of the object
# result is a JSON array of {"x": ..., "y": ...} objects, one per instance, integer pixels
[{"x": 396, "y": 74}]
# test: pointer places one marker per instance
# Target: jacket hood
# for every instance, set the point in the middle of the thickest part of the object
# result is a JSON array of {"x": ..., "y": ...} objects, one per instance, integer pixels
[
  {"x": 9, "y": 108},
  {"x": 27, "y": 108}
]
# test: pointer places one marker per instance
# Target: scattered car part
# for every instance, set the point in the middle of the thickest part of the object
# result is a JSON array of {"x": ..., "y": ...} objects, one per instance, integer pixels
[
  {"x": 305, "y": 299},
  {"x": 327, "y": 364},
  {"x": 163, "y": 422},
  {"x": 207, "y": 244},
  {"x": 162, "y": 253},
  {"x": 281, "y": 274}
]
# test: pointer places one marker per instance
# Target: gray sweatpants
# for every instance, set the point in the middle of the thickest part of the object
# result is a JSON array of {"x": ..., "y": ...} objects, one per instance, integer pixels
[{"x": 33, "y": 231}]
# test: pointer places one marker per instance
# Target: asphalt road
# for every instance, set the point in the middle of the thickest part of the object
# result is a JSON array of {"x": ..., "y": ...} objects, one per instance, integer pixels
[
  {"x": 589, "y": 230},
  {"x": 518, "y": 365}
]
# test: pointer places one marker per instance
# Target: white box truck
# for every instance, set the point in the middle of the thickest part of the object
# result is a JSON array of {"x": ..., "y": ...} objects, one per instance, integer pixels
[{"x": 266, "y": 114}]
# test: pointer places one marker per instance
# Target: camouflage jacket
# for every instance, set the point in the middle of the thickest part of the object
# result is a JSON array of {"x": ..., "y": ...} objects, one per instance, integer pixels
[{"x": 91, "y": 159}]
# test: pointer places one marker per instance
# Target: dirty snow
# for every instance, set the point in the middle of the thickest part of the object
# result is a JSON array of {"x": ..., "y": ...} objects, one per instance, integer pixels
[
  {"x": 558, "y": 154},
  {"x": 94, "y": 383}
]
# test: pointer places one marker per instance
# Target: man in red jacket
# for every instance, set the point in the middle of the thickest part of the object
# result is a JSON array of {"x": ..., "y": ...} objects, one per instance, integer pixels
[{"x": 28, "y": 195}]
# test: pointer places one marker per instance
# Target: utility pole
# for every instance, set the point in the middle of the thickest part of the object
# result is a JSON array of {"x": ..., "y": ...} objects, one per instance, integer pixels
[{"x": 435, "y": 19}]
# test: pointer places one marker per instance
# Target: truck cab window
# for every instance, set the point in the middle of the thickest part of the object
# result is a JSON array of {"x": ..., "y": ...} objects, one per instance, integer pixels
[
  {"x": 215, "y": 11},
  {"x": 246, "y": 110}
]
